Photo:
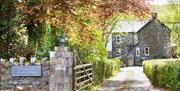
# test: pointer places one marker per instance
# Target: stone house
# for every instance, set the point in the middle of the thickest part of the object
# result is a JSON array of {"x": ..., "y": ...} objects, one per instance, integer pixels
[{"x": 134, "y": 41}]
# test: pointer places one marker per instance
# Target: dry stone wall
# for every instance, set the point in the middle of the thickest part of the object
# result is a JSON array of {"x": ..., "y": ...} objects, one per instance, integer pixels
[
  {"x": 56, "y": 74},
  {"x": 8, "y": 82}
]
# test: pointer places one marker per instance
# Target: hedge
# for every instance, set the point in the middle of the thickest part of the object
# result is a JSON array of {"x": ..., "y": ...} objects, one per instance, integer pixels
[
  {"x": 104, "y": 69},
  {"x": 163, "y": 73}
]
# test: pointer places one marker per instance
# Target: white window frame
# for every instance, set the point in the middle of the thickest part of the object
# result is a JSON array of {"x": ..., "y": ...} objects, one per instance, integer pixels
[
  {"x": 118, "y": 37},
  {"x": 136, "y": 40},
  {"x": 138, "y": 52},
  {"x": 146, "y": 53},
  {"x": 118, "y": 50}
]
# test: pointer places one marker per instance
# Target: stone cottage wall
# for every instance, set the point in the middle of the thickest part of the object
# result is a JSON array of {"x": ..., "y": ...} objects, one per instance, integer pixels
[
  {"x": 155, "y": 36},
  {"x": 125, "y": 40}
]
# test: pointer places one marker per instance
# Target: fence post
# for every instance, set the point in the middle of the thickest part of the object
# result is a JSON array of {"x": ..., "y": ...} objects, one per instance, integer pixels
[{"x": 74, "y": 71}]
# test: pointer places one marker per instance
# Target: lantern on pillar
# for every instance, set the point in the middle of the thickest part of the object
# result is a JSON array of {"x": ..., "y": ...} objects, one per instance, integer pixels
[{"x": 62, "y": 40}]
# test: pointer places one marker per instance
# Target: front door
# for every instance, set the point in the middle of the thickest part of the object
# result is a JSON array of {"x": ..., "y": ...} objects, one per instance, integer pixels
[{"x": 131, "y": 60}]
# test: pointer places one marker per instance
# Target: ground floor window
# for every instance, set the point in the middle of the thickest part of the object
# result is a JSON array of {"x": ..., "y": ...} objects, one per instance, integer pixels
[
  {"x": 137, "y": 52},
  {"x": 118, "y": 50},
  {"x": 146, "y": 51}
]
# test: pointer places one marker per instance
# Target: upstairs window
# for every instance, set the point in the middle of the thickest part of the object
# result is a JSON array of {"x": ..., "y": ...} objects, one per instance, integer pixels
[
  {"x": 118, "y": 39},
  {"x": 137, "y": 52},
  {"x": 135, "y": 39},
  {"x": 146, "y": 51}
]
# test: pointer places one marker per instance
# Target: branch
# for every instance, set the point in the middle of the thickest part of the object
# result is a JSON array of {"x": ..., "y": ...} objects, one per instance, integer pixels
[{"x": 116, "y": 19}]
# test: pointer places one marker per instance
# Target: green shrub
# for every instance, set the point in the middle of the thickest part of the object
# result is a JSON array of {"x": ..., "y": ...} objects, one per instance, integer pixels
[
  {"x": 104, "y": 69},
  {"x": 160, "y": 57},
  {"x": 163, "y": 72}
]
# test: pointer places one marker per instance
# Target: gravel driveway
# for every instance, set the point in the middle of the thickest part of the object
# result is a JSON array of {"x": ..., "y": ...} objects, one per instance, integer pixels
[{"x": 129, "y": 79}]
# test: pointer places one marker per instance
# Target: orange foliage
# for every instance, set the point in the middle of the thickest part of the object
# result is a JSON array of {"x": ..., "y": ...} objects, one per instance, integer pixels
[{"x": 64, "y": 12}]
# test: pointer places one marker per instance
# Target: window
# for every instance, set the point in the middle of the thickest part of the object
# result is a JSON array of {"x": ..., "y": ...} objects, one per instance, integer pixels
[
  {"x": 118, "y": 51},
  {"x": 135, "y": 39},
  {"x": 118, "y": 39},
  {"x": 146, "y": 51},
  {"x": 137, "y": 52}
]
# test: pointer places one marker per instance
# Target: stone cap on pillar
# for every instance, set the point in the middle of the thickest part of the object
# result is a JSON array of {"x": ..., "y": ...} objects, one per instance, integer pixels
[
  {"x": 59, "y": 48},
  {"x": 52, "y": 54}
]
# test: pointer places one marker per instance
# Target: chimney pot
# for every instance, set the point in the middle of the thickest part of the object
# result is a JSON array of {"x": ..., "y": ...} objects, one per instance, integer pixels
[{"x": 154, "y": 15}]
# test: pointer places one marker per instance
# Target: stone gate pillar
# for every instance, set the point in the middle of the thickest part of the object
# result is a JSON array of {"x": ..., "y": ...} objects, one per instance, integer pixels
[{"x": 61, "y": 75}]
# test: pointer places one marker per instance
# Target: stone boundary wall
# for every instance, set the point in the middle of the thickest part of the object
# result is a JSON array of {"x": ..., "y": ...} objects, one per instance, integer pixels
[
  {"x": 8, "y": 82},
  {"x": 57, "y": 74}
]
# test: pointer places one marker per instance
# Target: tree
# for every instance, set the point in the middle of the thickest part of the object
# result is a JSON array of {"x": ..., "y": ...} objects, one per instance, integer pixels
[
  {"x": 76, "y": 14},
  {"x": 83, "y": 21},
  {"x": 10, "y": 36}
]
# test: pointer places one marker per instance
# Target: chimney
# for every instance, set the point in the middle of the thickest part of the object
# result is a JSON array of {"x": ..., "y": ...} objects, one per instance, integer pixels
[{"x": 154, "y": 15}]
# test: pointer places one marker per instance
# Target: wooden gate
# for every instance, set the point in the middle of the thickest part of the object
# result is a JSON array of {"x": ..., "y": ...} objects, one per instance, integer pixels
[{"x": 82, "y": 75}]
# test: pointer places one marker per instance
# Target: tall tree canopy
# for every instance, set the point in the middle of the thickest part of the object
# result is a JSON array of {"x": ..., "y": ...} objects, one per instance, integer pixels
[
  {"x": 77, "y": 15},
  {"x": 83, "y": 21},
  {"x": 10, "y": 36}
]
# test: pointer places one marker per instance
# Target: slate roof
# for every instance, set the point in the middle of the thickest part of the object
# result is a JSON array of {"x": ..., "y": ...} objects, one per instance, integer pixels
[{"x": 129, "y": 26}]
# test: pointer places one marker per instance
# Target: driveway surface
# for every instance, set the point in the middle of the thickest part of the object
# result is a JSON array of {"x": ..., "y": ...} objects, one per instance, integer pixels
[{"x": 129, "y": 79}]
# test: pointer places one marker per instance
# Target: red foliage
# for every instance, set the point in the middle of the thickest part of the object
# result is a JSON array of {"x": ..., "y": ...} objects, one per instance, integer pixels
[
  {"x": 63, "y": 12},
  {"x": 62, "y": 9}
]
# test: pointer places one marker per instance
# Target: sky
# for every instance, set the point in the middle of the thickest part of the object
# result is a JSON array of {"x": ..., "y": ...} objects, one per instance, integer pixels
[{"x": 160, "y": 2}]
